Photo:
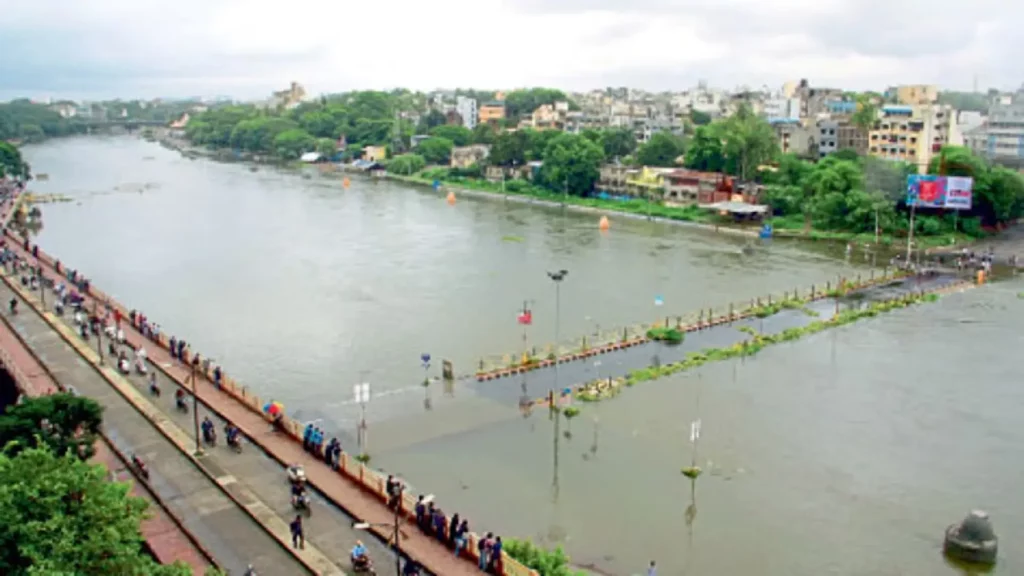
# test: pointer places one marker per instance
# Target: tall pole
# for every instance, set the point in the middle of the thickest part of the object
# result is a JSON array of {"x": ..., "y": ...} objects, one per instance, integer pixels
[
  {"x": 398, "y": 547},
  {"x": 195, "y": 407},
  {"x": 910, "y": 234},
  {"x": 557, "y": 277}
]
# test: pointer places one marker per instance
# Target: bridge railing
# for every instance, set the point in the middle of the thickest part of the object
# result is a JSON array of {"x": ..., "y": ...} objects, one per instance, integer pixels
[{"x": 610, "y": 338}]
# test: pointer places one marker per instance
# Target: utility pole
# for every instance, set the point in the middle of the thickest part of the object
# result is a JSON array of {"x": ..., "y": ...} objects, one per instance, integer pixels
[
  {"x": 195, "y": 404},
  {"x": 555, "y": 393}
]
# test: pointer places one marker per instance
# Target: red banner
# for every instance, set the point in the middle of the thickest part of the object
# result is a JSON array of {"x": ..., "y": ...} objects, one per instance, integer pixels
[{"x": 525, "y": 317}]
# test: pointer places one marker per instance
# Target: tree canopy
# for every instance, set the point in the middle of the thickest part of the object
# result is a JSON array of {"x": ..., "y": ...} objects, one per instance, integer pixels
[
  {"x": 519, "y": 103},
  {"x": 60, "y": 515},
  {"x": 435, "y": 150},
  {"x": 12, "y": 164},
  {"x": 571, "y": 162},
  {"x": 64, "y": 422},
  {"x": 663, "y": 149}
]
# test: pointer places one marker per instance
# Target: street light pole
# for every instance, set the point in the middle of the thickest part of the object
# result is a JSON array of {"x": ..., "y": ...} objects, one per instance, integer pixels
[
  {"x": 398, "y": 546},
  {"x": 195, "y": 406},
  {"x": 557, "y": 277}
]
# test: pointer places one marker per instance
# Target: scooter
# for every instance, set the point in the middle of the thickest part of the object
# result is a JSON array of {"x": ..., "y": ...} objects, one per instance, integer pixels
[
  {"x": 154, "y": 388},
  {"x": 301, "y": 503},
  {"x": 235, "y": 443},
  {"x": 140, "y": 368},
  {"x": 363, "y": 565},
  {"x": 180, "y": 403}
]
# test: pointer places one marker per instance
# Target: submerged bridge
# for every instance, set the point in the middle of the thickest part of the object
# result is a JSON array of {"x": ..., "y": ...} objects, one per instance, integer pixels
[{"x": 235, "y": 506}]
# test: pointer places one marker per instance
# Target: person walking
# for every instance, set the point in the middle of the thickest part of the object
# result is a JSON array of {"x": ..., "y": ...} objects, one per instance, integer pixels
[{"x": 298, "y": 538}]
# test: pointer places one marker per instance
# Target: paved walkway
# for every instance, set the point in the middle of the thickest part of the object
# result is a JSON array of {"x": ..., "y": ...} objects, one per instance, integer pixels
[
  {"x": 333, "y": 486},
  {"x": 207, "y": 510},
  {"x": 164, "y": 534}
]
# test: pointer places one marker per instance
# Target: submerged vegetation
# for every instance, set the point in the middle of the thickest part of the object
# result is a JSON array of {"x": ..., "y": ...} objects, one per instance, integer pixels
[
  {"x": 668, "y": 335},
  {"x": 544, "y": 562},
  {"x": 603, "y": 389}
]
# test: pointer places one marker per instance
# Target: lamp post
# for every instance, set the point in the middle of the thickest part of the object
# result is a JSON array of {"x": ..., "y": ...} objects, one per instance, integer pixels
[
  {"x": 361, "y": 392},
  {"x": 195, "y": 405},
  {"x": 557, "y": 278},
  {"x": 394, "y": 526}
]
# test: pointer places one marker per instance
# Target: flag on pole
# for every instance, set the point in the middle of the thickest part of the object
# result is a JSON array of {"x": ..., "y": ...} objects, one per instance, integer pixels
[
  {"x": 658, "y": 300},
  {"x": 694, "y": 430},
  {"x": 525, "y": 318}
]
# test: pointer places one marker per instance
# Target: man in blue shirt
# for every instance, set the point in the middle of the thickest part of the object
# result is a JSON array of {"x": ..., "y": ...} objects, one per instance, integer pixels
[{"x": 359, "y": 552}]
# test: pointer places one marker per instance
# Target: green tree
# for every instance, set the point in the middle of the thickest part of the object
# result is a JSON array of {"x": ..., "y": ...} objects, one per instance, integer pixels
[
  {"x": 618, "y": 143},
  {"x": 484, "y": 134},
  {"x": 326, "y": 147},
  {"x": 319, "y": 123},
  {"x": 573, "y": 161},
  {"x": 429, "y": 121},
  {"x": 436, "y": 150},
  {"x": 700, "y": 118},
  {"x": 12, "y": 165},
  {"x": 293, "y": 143},
  {"x": 538, "y": 142},
  {"x": 60, "y": 515},
  {"x": 663, "y": 149},
  {"x": 866, "y": 114},
  {"x": 64, "y": 422},
  {"x": 705, "y": 152},
  {"x": 522, "y": 102},
  {"x": 406, "y": 164},
  {"x": 510, "y": 148},
  {"x": 459, "y": 135},
  {"x": 749, "y": 141}
]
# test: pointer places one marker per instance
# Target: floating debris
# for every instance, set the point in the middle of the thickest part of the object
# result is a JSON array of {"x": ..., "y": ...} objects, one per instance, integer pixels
[
  {"x": 511, "y": 238},
  {"x": 32, "y": 198},
  {"x": 42, "y": 177}
]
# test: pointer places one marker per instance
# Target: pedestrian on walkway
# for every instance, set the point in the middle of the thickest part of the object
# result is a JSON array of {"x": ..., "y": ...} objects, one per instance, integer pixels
[
  {"x": 453, "y": 527},
  {"x": 307, "y": 438},
  {"x": 461, "y": 534},
  {"x": 652, "y": 570},
  {"x": 298, "y": 539},
  {"x": 495, "y": 557},
  {"x": 483, "y": 548},
  {"x": 421, "y": 513}
]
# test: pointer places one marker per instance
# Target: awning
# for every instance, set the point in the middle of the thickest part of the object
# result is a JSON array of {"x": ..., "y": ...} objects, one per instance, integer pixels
[{"x": 742, "y": 208}]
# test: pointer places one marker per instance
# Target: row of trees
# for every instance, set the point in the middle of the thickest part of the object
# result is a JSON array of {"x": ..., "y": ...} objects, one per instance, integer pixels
[
  {"x": 23, "y": 120},
  {"x": 12, "y": 165},
  {"x": 59, "y": 514}
]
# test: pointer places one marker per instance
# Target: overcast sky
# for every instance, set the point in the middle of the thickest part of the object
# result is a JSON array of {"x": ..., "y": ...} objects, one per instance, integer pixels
[{"x": 246, "y": 48}]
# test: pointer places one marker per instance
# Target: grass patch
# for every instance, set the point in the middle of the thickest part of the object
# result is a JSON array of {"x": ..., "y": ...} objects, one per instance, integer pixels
[{"x": 667, "y": 335}]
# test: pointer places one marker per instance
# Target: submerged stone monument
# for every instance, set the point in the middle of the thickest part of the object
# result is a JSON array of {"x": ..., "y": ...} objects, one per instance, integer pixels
[{"x": 972, "y": 540}]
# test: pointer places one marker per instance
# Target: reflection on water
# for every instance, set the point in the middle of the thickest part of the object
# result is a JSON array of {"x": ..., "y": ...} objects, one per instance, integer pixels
[{"x": 847, "y": 453}]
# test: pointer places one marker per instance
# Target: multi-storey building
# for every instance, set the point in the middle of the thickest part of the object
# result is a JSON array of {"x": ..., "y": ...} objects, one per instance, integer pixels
[
  {"x": 828, "y": 137},
  {"x": 914, "y": 94},
  {"x": 466, "y": 107},
  {"x": 913, "y": 134},
  {"x": 794, "y": 138},
  {"x": 492, "y": 112},
  {"x": 1001, "y": 138}
]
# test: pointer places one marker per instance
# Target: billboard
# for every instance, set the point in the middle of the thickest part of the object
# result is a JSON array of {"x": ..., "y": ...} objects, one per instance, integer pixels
[{"x": 930, "y": 191}]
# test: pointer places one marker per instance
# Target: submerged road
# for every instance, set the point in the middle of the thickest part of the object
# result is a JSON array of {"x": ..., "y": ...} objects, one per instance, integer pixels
[
  {"x": 617, "y": 363},
  {"x": 226, "y": 530}
]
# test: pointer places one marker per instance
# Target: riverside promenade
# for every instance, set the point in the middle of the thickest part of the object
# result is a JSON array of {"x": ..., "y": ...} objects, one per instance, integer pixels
[
  {"x": 166, "y": 535},
  {"x": 354, "y": 489}
]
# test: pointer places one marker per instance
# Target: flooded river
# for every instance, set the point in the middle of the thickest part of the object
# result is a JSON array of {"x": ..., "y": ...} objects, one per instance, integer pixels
[{"x": 845, "y": 453}]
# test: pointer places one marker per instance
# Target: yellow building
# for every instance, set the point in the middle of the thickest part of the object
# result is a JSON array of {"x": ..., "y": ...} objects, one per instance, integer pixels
[
  {"x": 913, "y": 134},
  {"x": 491, "y": 112},
  {"x": 375, "y": 153},
  {"x": 915, "y": 94},
  {"x": 647, "y": 183}
]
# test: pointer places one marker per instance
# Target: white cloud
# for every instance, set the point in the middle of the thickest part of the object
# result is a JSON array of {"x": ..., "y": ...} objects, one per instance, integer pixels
[{"x": 249, "y": 47}]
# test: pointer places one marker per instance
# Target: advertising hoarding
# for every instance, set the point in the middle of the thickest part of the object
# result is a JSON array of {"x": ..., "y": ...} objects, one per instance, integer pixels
[{"x": 930, "y": 191}]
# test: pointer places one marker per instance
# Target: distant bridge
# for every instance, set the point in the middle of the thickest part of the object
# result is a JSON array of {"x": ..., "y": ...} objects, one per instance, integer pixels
[{"x": 129, "y": 124}]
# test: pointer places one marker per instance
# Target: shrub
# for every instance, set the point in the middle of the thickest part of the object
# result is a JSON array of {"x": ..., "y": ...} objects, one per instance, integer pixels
[
  {"x": 669, "y": 335},
  {"x": 545, "y": 562}
]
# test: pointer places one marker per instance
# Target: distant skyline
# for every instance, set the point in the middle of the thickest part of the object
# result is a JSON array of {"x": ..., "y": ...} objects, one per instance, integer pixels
[{"x": 104, "y": 49}]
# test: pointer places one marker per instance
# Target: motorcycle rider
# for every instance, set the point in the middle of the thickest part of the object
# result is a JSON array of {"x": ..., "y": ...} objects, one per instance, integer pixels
[
  {"x": 299, "y": 497},
  {"x": 231, "y": 434},
  {"x": 153, "y": 387},
  {"x": 179, "y": 400},
  {"x": 359, "y": 557}
]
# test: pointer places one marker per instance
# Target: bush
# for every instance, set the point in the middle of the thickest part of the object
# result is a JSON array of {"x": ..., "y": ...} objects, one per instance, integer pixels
[
  {"x": 406, "y": 164},
  {"x": 545, "y": 562},
  {"x": 669, "y": 335}
]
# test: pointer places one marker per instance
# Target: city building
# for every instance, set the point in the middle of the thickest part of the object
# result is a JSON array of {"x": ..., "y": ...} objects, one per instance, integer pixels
[
  {"x": 647, "y": 183},
  {"x": 914, "y": 94},
  {"x": 547, "y": 117},
  {"x": 466, "y": 107},
  {"x": 781, "y": 108},
  {"x": 453, "y": 118},
  {"x": 828, "y": 137},
  {"x": 65, "y": 108},
  {"x": 288, "y": 98},
  {"x": 914, "y": 134},
  {"x": 492, "y": 112},
  {"x": 794, "y": 137},
  {"x": 688, "y": 186},
  {"x": 1001, "y": 138},
  {"x": 813, "y": 101},
  {"x": 852, "y": 137},
  {"x": 466, "y": 156},
  {"x": 612, "y": 179}
]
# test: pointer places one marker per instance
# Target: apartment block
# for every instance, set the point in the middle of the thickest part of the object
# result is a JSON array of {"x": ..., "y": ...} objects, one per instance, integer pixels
[
  {"x": 914, "y": 94},
  {"x": 492, "y": 112},
  {"x": 913, "y": 134},
  {"x": 1001, "y": 139},
  {"x": 466, "y": 107}
]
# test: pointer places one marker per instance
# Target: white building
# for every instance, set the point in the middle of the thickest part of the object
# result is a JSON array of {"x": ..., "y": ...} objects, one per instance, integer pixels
[
  {"x": 466, "y": 107},
  {"x": 781, "y": 108}
]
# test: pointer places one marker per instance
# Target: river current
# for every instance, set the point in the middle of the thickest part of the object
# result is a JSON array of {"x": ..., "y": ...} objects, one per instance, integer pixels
[{"x": 847, "y": 452}]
